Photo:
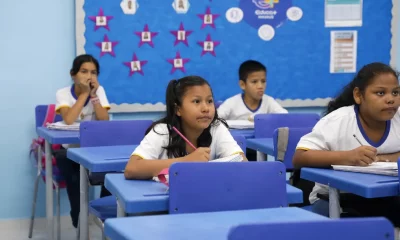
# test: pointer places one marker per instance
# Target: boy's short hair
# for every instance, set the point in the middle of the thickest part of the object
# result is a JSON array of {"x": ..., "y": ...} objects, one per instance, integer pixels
[{"x": 248, "y": 67}]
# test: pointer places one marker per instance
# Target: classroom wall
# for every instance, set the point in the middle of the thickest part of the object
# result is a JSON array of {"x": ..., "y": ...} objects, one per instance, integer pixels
[{"x": 37, "y": 50}]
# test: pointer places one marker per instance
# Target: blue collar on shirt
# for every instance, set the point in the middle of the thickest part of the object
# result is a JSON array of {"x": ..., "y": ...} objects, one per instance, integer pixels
[
  {"x": 372, "y": 143},
  {"x": 74, "y": 95},
  {"x": 255, "y": 110}
]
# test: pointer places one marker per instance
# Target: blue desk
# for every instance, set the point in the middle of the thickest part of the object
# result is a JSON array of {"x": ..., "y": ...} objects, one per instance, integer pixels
[
  {"x": 212, "y": 225},
  {"x": 264, "y": 145},
  {"x": 97, "y": 159},
  {"x": 247, "y": 133},
  {"x": 362, "y": 184},
  {"x": 102, "y": 159},
  {"x": 53, "y": 137},
  {"x": 136, "y": 196}
]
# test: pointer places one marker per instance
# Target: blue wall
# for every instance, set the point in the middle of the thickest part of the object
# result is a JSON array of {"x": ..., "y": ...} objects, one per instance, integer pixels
[{"x": 37, "y": 51}]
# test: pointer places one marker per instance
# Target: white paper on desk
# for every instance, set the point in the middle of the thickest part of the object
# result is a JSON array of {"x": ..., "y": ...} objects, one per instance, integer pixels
[
  {"x": 63, "y": 126},
  {"x": 381, "y": 168},
  {"x": 232, "y": 158},
  {"x": 240, "y": 124}
]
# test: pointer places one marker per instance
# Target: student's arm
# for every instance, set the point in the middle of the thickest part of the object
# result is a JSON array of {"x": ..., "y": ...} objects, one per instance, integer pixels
[
  {"x": 100, "y": 102},
  {"x": 361, "y": 156},
  {"x": 393, "y": 157},
  {"x": 225, "y": 144},
  {"x": 275, "y": 107},
  {"x": 139, "y": 168},
  {"x": 224, "y": 110},
  {"x": 244, "y": 157},
  {"x": 70, "y": 113}
]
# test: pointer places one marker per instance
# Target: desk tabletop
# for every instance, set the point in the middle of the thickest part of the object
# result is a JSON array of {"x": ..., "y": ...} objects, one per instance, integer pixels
[
  {"x": 102, "y": 159},
  {"x": 211, "y": 225},
  {"x": 362, "y": 184},
  {"x": 58, "y": 136},
  {"x": 264, "y": 145}
]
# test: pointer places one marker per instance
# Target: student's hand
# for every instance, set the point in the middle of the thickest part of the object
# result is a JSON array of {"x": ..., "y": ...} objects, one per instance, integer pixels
[
  {"x": 84, "y": 85},
  {"x": 362, "y": 156},
  {"x": 201, "y": 154},
  {"x": 94, "y": 85}
]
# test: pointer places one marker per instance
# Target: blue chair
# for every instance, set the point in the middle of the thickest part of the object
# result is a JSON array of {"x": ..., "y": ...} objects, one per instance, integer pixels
[
  {"x": 218, "y": 103},
  {"x": 40, "y": 117},
  {"x": 330, "y": 229},
  {"x": 209, "y": 187},
  {"x": 285, "y": 142},
  {"x": 265, "y": 124},
  {"x": 109, "y": 133},
  {"x": 241, "y": 141}
]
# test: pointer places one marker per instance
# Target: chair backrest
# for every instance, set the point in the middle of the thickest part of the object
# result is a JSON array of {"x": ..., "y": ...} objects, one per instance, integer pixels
[
  {"x": 265, "y": 124},
  {"x": 111, "y": 133},
  {"x": 211, "y": 187},
  {"x": 241, "y": 141},
  {"x": 330, "y": 229},
  {"x": 40, "y": 115},
  {"x": 285, "y": 142},
  {"x": 218, "y": 103}
]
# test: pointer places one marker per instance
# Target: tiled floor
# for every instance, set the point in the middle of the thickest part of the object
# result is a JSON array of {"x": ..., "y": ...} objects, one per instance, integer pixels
[{"x": 18, "y": 230}]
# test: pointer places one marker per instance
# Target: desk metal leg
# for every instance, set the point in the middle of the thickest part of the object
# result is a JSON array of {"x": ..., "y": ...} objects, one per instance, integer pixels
[
  {"x": 49, "y": 190},
  {"x": 120, "y": 209},
  {"x": 84, "y": 211},
  {"x": 261, "y": 156},
  {"x": 334, "y": 203}
]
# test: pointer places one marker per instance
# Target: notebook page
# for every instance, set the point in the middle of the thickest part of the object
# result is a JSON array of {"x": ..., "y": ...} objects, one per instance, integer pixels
[
  {"x": 240, "y": 124},
  {"x": 232, "y": 158},
  {"x": 63, "y": 126}
]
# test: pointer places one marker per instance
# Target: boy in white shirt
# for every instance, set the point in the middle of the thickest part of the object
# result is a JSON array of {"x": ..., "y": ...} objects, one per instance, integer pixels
[{"x": 253, "y": 100}]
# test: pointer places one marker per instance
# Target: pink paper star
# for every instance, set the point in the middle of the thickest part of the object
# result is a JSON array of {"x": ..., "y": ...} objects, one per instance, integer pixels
[
  {"x": 146, "y": 36},
  {"x": 178, "y": 63},
  {"x": 106, "y": 46},
  {"x": 208, "y": 18},
  {"x": 135, "y": 66},
  {"x": 100, "y": 20},
  {"x": 208, "y": 45},
  {"x": 181, "y": 35}
]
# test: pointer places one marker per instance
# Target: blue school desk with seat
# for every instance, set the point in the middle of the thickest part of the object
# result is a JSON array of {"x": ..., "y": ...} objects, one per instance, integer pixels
[
  {"x": 362, "y": 184},
  {"x": 52, "y": 137},
  {"x": 140, "y": 196},
  {"x": 99, "y": 160},
  {"x": 210, "y": 225},
  {"x": 266, "y": 124}
]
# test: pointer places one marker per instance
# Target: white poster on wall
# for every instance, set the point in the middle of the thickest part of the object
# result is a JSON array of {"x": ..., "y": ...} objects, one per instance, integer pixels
[
  {"x": 343, "y": 51},
  {"x": 343, "y": 13}
]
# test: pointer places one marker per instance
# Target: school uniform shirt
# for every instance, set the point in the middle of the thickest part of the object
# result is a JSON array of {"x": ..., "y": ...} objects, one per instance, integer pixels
[
  {"x": 151, "y": 147},
  {"x": 234, "y": 108},
  {"x": 65, "y": 97},
  {"x": 334, "y": 132}
]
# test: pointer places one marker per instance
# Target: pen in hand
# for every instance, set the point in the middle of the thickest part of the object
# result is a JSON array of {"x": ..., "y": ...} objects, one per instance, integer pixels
[{"x": 358, "y": 140}]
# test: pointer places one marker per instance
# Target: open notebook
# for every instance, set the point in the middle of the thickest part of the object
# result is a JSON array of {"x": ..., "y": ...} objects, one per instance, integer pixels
[
  {"x": 240, "y": 124},
  {"x": 381, "y": 168},
  {"x": 164, "y": 177},
  {"x": 63, "y": 126}
]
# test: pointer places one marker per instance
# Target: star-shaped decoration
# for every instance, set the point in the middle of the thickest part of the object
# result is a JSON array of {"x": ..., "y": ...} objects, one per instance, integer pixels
[
  {"x": 136, "y": 65},
  {"x": 107, "y": 46},
  {"x": 178, "y": 62},
  {"x": 208, "y": 18},
  {"x": 208, "y": 45},
  {"x": 181, "y": 35},
  {"x": 146, "y": 36},
  {"x": 100, "y": 20}
]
